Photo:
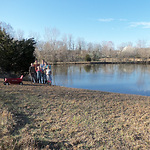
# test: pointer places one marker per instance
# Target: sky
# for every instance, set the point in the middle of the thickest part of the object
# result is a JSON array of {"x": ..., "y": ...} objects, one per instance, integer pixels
[{"x": 119, "y": 21}]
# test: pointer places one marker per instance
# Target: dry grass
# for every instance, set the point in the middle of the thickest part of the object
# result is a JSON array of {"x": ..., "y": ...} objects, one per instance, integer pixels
[{"x": 44, "y": 117}]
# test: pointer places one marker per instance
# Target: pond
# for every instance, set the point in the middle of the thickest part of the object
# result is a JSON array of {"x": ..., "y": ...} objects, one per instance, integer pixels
[{"x": 118, "y": 78}]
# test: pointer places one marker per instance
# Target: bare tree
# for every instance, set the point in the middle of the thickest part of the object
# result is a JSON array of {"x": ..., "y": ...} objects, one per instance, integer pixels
[
  {"x": 19, "y": 35},
  {"x": 80, "y": 44},
  {"x": 97, "y": 54},
  {"x": 36, "y": 36},
  {"x": 90, "y": 47},
  {"x": 141, "y": 44},
  {"x": 8, "y": 28},
  {"x": 51, "y": 34},
  {"x": 70, "y": 42},
  {"x": 107, "y": 47}
]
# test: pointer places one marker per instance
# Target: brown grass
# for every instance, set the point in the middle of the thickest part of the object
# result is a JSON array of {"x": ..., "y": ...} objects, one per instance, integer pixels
[{"x": 43, "y": 117}]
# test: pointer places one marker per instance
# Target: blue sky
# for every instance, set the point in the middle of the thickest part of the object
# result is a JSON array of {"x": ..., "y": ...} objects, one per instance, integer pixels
[{"x": 93, "y": 20}]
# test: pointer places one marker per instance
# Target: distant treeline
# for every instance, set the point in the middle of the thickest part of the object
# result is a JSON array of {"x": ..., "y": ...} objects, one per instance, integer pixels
[
  {"x": 68, "y": 50},
  {"x": 16, "y": 53}
]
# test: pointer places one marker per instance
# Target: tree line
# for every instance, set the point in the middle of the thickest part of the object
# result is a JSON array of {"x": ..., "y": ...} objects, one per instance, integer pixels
[
  {"x": 16, "y": 53},
  {"x": 66, "y": 49}
]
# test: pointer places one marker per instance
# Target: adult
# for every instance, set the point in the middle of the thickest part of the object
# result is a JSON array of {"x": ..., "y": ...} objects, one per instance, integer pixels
[
  {"x": 43, "y": 71},
  {"x": 42, "y": 65},
  {"x": 32, "y": 73},
  {"x": 45, "y": 68},
  {"x": 36, "y": 64}
]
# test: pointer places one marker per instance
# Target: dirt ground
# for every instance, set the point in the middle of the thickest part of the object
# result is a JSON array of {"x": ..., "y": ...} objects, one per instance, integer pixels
[{"x": 36, "y": 116}]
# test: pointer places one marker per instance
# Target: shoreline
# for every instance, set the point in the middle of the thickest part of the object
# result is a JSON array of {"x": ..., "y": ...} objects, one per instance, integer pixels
[
  {"x": 100, "y": 62},
  {"x": 28, "y": 82}
]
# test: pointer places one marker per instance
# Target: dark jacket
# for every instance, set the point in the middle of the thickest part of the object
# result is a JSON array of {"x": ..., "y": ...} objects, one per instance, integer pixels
[{"x": 32, "y": 70}]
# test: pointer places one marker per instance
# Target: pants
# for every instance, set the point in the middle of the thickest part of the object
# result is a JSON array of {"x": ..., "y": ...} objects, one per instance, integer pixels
[
  {"x": 43, "y": 78},
  {"x": 49, "y": 78},
  {"x": 38, "y": 76},
  {"x": 33, "y": 78}
]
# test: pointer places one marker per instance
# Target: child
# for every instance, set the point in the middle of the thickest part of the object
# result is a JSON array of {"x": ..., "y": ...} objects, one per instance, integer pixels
[
  {"x": 38, "y": 72},
  {"x": 48, "y": 75}
]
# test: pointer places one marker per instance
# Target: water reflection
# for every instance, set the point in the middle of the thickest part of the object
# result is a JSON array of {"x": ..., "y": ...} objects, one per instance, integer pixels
[
  {"x": 120, "y": 78},
  {"x": 87, "y": 68}
]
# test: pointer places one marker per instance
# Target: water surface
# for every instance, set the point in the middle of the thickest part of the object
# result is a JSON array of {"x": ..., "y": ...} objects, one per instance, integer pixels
[{"x": 118, "y": 78}]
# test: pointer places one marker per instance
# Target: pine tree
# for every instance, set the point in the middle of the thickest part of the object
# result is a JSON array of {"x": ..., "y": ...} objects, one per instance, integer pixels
[{"x": 15, "y": 55}]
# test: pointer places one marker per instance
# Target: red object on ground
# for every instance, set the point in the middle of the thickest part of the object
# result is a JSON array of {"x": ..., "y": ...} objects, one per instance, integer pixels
[{"x": 8, "y": 81}]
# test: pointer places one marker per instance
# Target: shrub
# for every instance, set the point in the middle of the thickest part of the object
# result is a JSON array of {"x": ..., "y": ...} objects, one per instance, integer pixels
[{"x": 87, "y": 57}]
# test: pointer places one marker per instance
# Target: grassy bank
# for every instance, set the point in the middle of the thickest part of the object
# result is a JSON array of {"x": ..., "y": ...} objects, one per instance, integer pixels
[{"x": 43, "y": 117}]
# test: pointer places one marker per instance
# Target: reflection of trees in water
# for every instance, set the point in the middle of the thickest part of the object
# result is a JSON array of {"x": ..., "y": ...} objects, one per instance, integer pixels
[
  {"x": 87, "y": 68},
  {"x": 108, "y": 68},
  {"x": 126, "y": 68},
  {"x": 60, "y": 70},
  {"x": 139, "y": 71},
  {"x": 143, "y": 70},
  {"x": 94, "y": 68},
  {"x": 130, "y": 68},
  {"x": 66, "y": 73}
]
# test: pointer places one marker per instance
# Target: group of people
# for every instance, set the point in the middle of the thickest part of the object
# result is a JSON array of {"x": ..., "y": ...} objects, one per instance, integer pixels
[{"x": 40, "y": 73}]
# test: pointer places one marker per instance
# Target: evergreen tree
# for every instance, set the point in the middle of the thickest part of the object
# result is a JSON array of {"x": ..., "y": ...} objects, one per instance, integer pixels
[
  {"x": 6, "y": 51},
  {"x": 15, "y": 55},
  {"x": 87, "y": 57}
]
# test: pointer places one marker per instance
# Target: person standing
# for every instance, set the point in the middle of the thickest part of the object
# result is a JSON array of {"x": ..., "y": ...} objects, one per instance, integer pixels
[
  {"x": 42, "y": 66},
  {"x": 44, "y": 72},
  {"x": 38, "y": 72},
  {"x": 48, "y": 75},
  {"x": 36, "y": 64},
  {"x": 32, "y": 73}
]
